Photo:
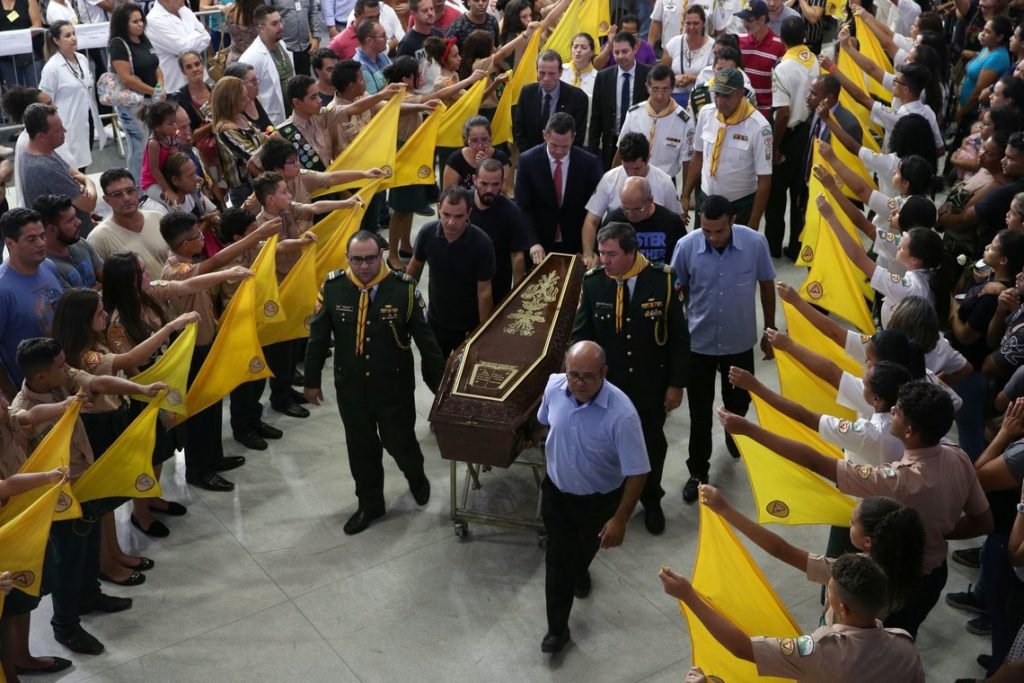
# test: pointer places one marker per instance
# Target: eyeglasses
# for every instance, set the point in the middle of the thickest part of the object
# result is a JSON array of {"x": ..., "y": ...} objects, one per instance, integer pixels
[
  {"x": 363, "y": 260},
  {"x": 126, "y": 191},
  {"x": 582, "y": 378},
  {"x": 633, "y": 212}
]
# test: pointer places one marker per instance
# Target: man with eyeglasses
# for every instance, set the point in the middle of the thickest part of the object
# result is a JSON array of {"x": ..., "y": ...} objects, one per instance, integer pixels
[
  {"x": 128, "y": 228},
  {"x": 668, "y": 126},
  {"x": 657, "y": 228},
  {"x": 373, "y": 313},
  {"x": 596, "y": 468}
]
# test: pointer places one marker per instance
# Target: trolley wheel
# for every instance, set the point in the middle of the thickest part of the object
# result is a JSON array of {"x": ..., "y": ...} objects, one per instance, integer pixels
[
  {"x": 542, "y": 540},
  {"x": 461, "y": 530}
]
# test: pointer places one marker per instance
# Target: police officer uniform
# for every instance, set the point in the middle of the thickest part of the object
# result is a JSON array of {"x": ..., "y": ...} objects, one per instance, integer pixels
[
  {"x": 670, "y": 134},
  {"x": 646, "y": 356},
  {"x": 375, "y": 384}
]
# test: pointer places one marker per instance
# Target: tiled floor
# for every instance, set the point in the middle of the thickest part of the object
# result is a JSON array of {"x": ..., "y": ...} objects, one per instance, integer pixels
[{"x": 261, "y": 584}]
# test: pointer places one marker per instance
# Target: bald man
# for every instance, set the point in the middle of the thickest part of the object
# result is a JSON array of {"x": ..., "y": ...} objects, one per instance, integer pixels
[
  {"x": 596, "y": 468},
  {"x": 657, "y": 228}
]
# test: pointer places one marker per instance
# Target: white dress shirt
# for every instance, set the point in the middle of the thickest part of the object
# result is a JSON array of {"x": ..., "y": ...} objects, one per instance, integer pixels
[{"x": 172, "y": 34}]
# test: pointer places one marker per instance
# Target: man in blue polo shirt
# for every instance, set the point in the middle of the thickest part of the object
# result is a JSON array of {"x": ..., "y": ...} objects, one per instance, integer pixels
[
  {"x": 596, "y": 468},
  {"x": 717, "y": 267}
]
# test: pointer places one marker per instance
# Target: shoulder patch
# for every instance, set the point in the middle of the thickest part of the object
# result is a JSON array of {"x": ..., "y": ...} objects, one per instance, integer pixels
[
  {"x": 805, "y": 645},
  {"x": 683, "y": 115},
  {"x": 844, "y": 426},
  {"x": 636, "y": 106},
  {"x": 664, "y": 267},
  {"x": 766, "y": 131},
  {"x": 864, "y": 471},
  {"x": 402, "y": 275},
  {"x": 335, "y": 274},
  {"x": 92, "y": 358},
  {"x": 594, "y": 271},
  {"x": 787, "y": 646}
]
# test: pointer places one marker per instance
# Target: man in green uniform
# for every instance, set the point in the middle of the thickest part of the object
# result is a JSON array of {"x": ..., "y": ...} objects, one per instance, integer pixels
[
  {"x": 632, "y": 308},
  {"x": 373, "y": 313}
]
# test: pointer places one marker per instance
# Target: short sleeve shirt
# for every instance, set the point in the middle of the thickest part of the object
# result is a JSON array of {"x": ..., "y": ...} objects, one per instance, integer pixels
[
  {"x": 656, "y": 235},
  {"x": 895, "y": 288},
  {"x": 746, "y": 154},
  {"x": 48, "y": 174},
  {"x": 109, "y": 237},
  {"x": 864, "y": 441},
  {"x": 201, "y": 302},
  {"x": 606, "y": 196},
  {"x": 455, "y": 270},
  {"x": 26, "y": 399},
  {"x": 80, "y": 267},
  {"x": 791, "y": 81},
  {"x": 505, "y": 224},
  {"x": 26, "y": 310},
  {"x": 670, "y": 137}
]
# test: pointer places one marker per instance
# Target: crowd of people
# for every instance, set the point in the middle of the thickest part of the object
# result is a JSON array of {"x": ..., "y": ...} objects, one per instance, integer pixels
[{"x": 702, "y": 116}]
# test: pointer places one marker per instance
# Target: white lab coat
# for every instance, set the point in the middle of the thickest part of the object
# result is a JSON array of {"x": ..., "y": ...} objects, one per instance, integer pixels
[
  {"x": 171, "y": 35},
  {"x": 258, "y": 57},
  {"x": 75, "y": 99}
]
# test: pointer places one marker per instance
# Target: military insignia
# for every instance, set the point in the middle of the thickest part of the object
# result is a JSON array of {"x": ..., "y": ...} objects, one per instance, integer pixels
[
  {"x": 768, "y": 149},
  {"x": 308, "y": 322},
  {"x": 888, "y": 473},
  {"x": 893, "y": 203},
  {"x": 815, "y": 290},
  {"x": 174, "y": 397},
  {"x": 423, "y": 171},
  {"x": 766, "y": 132},
  {"x": 858, "y": 426},
  {"x": 864, "y": 338},
  {"x": 93, "y": 358},
  {"x": 805, "y": 645},
  {"x": 787, "y": 646},
  {"x": 256, "y": 365},
  {"x": 603, "y": 27},
  {"x": 863, "y": 471},
  {"x": 388, "y": 171},
  {"x": 270, "y": 309},
  {"x": 63, "y": 502},
  {"x": 144, "y": 482},
  {"x": 737, "y": 136},
  {"x": 894, "y": 277},
  {"x": 807, "y": 253},
  {"x": 888, "y": 237},
  {"x": 844, "y": 426},
  {"x": 777, "y": 508},
  {"x": 23, "y": 579}
]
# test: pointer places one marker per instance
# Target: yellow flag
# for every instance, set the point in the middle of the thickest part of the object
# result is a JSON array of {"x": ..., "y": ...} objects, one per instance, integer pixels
[
  {"x": 853, "y": 72},
  {"x": 525, "y": 72},
  {"x": 330, "y": 253},
  {"x": 449, "y": 134},
  {"x": 265, "y": 288},
  {"x": 836, "y": 9},
  {"x": 804, "y": 333},
  {"x": 298, "y": 295},
  {"x": 373, "y": 147},
  {"x": 236, "y": 356},
  {"x": 52, "y": 452},
  {"x": 126, "y": 469},
  {"x": 852, "y": 162},
  {"x": 813, "y": 222},
  {"x": 414, "y": 163},
  {"x": 326, "y": 226},
  {"x": 23, "y": 541},
  {"x": 582, "y": 16},
  {"x": 797, "y": 383},
  {"x": 728, "y": 578},
  {"x": 835, "y": 284},
  {"x": 172, "y": 369},
  {"x": 872, "y": 49},
  {"x": 785, "y": 492}
]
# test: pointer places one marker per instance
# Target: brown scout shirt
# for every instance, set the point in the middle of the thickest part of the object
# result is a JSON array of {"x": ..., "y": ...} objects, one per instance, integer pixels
[
  {"x": 201, "y": 302},
  {"x": 81, "y": 451}
]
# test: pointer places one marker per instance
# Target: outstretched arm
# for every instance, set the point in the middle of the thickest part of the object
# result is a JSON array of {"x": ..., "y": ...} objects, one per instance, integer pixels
[
  {"x": 855, "y": 91},
  {"x": 768, "y": 541},
  {"x": 791, "y": 450},
  {"x": 724, "y": 631},
  {"x": 815, "y": 362},
  {"x": 854, "y": 181},
  {"x": 743, "y": 379},
  {"x": 854, "y": 250},
  {"x": 824, "y": 324}
]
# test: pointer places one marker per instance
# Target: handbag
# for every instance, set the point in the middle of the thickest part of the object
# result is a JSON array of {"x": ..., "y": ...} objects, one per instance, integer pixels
[
  {"x": 216, "y": 64},
  {"x": 111, "y": 91}
]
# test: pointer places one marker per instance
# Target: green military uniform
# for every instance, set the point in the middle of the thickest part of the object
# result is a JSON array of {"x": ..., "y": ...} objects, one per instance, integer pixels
[
  {"x": 375, "y": 388},
  {"x": 649, "y": 354}
]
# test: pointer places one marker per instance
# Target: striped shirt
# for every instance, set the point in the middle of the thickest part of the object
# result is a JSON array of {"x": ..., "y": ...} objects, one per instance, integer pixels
[{"x": 759, "y": 58}]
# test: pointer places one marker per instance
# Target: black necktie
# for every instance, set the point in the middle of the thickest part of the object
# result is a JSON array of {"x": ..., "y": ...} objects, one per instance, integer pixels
[
  {"x": 624, "y": 100},
  {"x": 809, "y": 152},
  {"x": 545, "y": 110}
]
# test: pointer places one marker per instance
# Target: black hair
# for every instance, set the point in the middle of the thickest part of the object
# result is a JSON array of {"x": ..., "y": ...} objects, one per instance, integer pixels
[
  {"x": 699, "y": 11},
  {"x": 830, "y": 84},
  {"x": 297, "y": 86},
  {"x": 860, "y": 584},
  {"x": 916, "y": 76},
  {"x": 112, "y": 175},
  {"x": 123, "y": 293},
  {"x": 72, "y": 323},
  {"x": 345, "y": 73},
  {"x": 912, "y": 134},
  {"x": 623, "y": 37},
  {"x": 55, "y": 28},
  {"x": 265, "y": 184},
  {"x": 926, "y": 56},
  {"x": 17, "y": 99},
  {"x": 917, "y": 211},
  {"x": 14, "y": 220},
  {"x": 175, "y": 224},
  {"x": 474, "y": 122},
  {"x": 157, "y": 113},
  {"x": 365, "y": 29},
  {"x": 364, "y": 236},
  {"x": 1016, "y": 141},
  {"x": 1004, "y": 118},
  {"x": 885, "y": 381},
  {"x": 1004, "y": 27},
  {"x": 715, "y": 206},
  {"x": 456, "y": 195},
  {"x": 36, "y": 354},
  {"x": 172, "y": 166},
  {"x": 634, "y": 147},
  {"x": 1013, "y": 90},
  {"x": 37, "y": 118},
  {"x": 434, "y": 46},
  {"x": 623, "y": 233},
  {"x": 793, "y": 31},
  {"x": 550, "y": 56},
  {"x": 51, "y": 206},
  {"x": 660, "y": 72},
  {"x": 234, "y": 222},
  {"x": 918, "y": 172},
  {"x": 1011, "y": 247},
  {"x": 120, "y": 18},
  {"x": 260, "y": 14},
  {"x": 728, "y": 40},
  {"x": 927, "y": 409},
  {"x": 929, "y": 21},
  {"x": 511, "y": 26},
  {"x": 561, "y": 122},
  {"x": 321, "y": 55},
  {"x": 730, "y": 54},
  {"x": 895, "y": 346},
  {"x": 897, "y": 543},
  {"x": 937, "y": 42},
  {"x": 403, "y": 67},
  {"x": 479, "y": 44},
  {"x": 361, "y": 5},
  {"x": 275, "y": 153}
]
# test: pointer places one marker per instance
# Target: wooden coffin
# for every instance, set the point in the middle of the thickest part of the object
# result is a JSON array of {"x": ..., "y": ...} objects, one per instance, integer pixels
[{"x": 494, "y": 381}]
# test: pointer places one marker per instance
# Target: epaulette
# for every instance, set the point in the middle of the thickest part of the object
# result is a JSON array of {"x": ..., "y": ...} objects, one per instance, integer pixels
[
  {"x": 663, "y": 267},
  {"x": 683, "y": 115},
  {"x": 636, "y": 106},
  {"x": 594, "y": 271},
  {"x": 335, "y": 274},
  {"x": 403, "y": 276}
]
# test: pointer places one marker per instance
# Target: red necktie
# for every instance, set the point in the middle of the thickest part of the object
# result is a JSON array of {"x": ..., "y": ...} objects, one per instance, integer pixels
[{"x": 558, "y": 195}]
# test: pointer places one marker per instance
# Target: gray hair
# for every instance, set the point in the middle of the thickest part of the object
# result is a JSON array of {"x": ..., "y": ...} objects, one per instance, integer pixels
[
  {"x": 623, "y": 233},
  {"x": 238, "y": 70}
]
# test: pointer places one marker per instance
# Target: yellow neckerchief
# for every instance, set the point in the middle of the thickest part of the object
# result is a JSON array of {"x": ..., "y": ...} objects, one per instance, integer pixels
[
  {"x": 576, "y": 75},
  {"x": 364, "y": 300},
  {"x": 639, "y": 263},
  {"x": 669, "y": 109},
  {"x": 742, "y": 113},
  {"x": 801, "y": 54}
]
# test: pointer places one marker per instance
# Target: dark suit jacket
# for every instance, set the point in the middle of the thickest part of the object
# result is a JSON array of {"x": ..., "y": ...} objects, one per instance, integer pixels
[
  {"x": 535, "y": 195},
  {"x": 603, "y": 138},
  {"x": 528, "y": 129}
]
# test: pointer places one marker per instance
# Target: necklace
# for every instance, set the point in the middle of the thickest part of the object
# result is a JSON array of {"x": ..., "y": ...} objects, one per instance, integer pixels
[{"x": 77, "y": 69}]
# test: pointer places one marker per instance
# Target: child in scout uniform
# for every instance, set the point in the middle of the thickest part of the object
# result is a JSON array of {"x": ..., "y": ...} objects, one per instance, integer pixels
[{"x": 855, "y": 648}]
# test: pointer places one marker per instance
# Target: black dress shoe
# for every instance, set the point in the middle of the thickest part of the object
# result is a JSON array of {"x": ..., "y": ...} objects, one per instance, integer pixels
[
  {"x": 583, "y": 586},
  {"x": 984, "y": 661},
  {"x": 690, "y": 491},
  {"x": 359, "y": 521},
  {"x": 156, "y": 529},
  {"x": 80, "y": 641},
  {"x": 172, "y": 510},
  {"x": 134, "y": 579},
  {"x": 144, "y": 565},
  {"x": 299, "y": 397},
  {"x": 211, "y": 481},
  {"x": 654, "y": 518},
  {"x": 228, "y": 463},
  {"x": 291, "y": 409},
  {"x": 421, "y": 492},
  {"x": 108, "y": 604},
  {"x": 554, "y": 642},
  {"x": 252, "y": 441},
  {"x": 297, "y": 379},
  {"x": 268, "y": 432},
  {"x": 56, "y": 664}
]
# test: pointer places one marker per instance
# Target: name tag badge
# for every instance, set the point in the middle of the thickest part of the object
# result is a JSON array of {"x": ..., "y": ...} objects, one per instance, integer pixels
[
  {"x": 602, "y": 304},
  {"x": 341, "y": 308}
]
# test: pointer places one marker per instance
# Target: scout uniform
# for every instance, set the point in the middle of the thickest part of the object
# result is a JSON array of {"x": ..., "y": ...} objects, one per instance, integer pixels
[
  {"x": 373, "y": 372},
  {"x": 670, "y": 133},
  {"x": 745, "y": 153},
  {"x": 647, "y": 341},
  {"x": 839, "y": 653}
]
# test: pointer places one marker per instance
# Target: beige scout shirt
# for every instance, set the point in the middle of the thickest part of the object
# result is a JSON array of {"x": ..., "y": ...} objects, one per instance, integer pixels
[
  {"x": 294, "y": 222},
  {"x": 301, "y": 187},
  {"x": 938, "y": 482},
  {"x": 839, "y": 653},
  {"x": 26, "y": 399},
  {"x": 100, "y": 361},
  {"x": 201, "y": 302},
  {"x": 355, "y": 123},
  {"x": 13, "y": 451}
]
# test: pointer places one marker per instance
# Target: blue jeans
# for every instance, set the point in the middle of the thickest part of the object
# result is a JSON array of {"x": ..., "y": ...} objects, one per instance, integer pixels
[
  {"x": 20, "y": 70},
  {"x": 135, "y": 137}
]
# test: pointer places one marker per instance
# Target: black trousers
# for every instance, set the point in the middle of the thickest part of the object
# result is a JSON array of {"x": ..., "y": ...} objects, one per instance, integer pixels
[
  {"x": 652, "y": 423},
  {"x": 75, "y": 548},
  {"x": 303, "y": 63},
  {"x": 203, "y": 445},
  {"x": 448, "y": 339},
  {"x": 787, "y": 180},
  {"x": 703, "y": 370},
  {"x": 246, "y": 410},
  {"x": 572, "y": 523},
  {"x": 372, "y": 424},
  {"x": 920, "y": 602},
  {"x": 280, "y": 360}
]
